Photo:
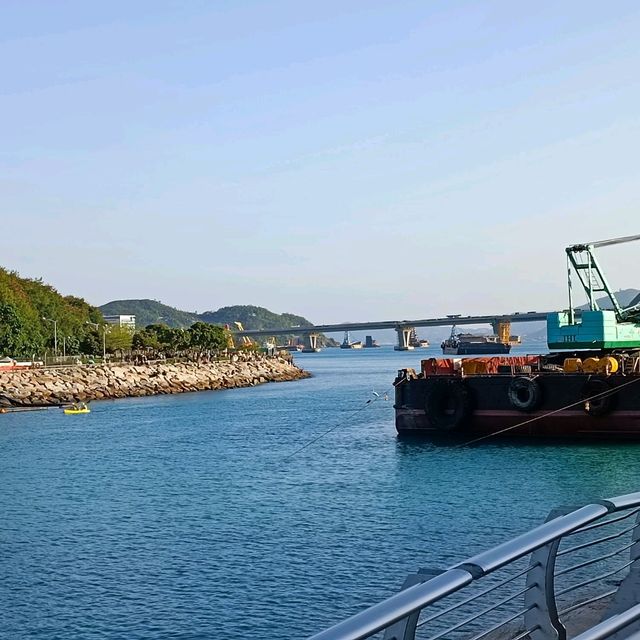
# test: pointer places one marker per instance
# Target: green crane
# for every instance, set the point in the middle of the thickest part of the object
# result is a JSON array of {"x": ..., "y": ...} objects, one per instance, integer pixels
[{"x": 595, "y": 328}]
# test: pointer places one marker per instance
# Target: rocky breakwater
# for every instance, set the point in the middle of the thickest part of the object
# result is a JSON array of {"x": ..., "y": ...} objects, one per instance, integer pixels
[{"x": 62, "y": 385}]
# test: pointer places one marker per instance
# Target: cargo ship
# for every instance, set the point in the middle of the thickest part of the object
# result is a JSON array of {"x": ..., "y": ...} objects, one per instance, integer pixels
[
  {"x": 462, "y": 344},
  {"x": 587, "y": 386}
]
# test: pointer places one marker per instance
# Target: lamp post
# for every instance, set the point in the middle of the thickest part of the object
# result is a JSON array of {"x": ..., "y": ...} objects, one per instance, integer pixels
[
  {"x": 104, "y": 338},
  {"x": 55, "y": 334}
]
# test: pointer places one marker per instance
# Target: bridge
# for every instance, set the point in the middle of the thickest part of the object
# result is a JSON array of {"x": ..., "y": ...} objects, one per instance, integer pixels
[{"x": 501, "y": 324}]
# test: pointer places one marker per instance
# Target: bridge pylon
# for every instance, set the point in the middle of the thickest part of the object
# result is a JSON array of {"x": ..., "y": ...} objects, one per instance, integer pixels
[
  {"x": 404, "y": 338},
  {"x": 310, "y": 343}
]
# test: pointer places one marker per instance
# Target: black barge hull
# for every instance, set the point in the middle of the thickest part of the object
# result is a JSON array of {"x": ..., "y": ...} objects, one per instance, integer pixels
[{"x": 552, "y": 405}]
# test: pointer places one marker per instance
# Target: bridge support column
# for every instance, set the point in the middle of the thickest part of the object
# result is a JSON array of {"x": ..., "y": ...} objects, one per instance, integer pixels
[
  {"x": 404, "y": 337},
  {"x": 502, "y": 329},
  {"x": 310, "y": 343}
]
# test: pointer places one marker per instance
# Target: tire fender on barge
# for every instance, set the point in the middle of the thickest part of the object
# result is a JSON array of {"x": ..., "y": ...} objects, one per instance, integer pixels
[
  {"x": 448, "y": 405},
  {"x": 525, "y": 394},
  {"x": 603, "y": 403}
]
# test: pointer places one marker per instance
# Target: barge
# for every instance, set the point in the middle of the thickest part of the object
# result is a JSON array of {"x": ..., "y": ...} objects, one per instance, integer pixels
[
  {"x": 588, "y": 386},
  {"x": 468, "y": 344}
]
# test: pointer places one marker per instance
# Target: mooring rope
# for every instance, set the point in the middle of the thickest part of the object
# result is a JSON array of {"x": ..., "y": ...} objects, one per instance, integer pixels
[
  {"x": 369, "y": 402},
  {"x": 607, "y": 392},
  {"x": 385, "y": 395}
]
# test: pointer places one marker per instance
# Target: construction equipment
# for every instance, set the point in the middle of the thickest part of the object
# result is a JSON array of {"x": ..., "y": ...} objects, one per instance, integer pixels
[
  {"x": 246, "y": 342},
  {"x": 583, "y": 260},
  {"x": 595, "y": 328}
]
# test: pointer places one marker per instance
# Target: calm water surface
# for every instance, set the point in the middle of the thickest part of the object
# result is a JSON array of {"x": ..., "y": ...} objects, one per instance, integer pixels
[{"x": 179, "y": 516}]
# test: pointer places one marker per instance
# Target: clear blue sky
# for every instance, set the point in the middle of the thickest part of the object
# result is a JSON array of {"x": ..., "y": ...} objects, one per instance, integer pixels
[{"x": 340, "y": 160}]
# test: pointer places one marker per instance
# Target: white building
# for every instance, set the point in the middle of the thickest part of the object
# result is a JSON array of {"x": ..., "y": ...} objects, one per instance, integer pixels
[{"x": 126, "y": 321}]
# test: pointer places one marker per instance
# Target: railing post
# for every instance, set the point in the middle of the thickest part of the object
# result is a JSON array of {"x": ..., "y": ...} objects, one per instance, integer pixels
[
  {"x": 628, "y": 594},
  {"x": 542, "y": 620},
  {"x": 405, "y": 629}
]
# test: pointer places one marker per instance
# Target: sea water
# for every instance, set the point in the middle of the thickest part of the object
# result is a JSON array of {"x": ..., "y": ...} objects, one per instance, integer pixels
[{"x": 229, "y": 514}]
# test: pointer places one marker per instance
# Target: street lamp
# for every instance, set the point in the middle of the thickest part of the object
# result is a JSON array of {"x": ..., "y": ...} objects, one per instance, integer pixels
[
  {"x": 104, "y": 338},
  {"x": 55, "y": 333}
]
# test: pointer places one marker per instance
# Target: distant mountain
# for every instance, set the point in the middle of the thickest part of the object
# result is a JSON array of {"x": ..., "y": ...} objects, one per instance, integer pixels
[
  {"x": 254, "y": 318},
  {"x": 624, "y": 296},
  {"x": 153, "y": 312},
  {"x": 150, "y": 312}
]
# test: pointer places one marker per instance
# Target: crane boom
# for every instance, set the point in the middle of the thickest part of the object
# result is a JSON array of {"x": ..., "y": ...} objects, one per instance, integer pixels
[
  {"x": 607, "y": 243},
  {"x": 586, "y": 266}
]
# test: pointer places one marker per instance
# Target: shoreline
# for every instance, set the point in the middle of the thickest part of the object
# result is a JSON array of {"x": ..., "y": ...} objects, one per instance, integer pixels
[{"x": 50, "y": 387}]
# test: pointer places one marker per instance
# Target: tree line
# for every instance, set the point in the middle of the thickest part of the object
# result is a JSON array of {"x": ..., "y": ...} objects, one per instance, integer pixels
[{"x": 35, "y": 319}]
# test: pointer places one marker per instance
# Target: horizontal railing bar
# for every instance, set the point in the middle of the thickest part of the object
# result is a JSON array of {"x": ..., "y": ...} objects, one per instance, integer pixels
[
  {"x": 482, "y": 613},
  {"x": 602, "y": 576},
  {"x": 526, "y": 543},
  {"x": 585, "y": 545},
  {"x": 597, "y": 525},
  {"x": 609, "y": 626},
  {"x": 573, "y": 607},
  {"x": 524, "y": 634},
  {"x": 593, "y": 561},
  {"x": 627, "y": 501},
  {"x": 501, "y": 624},
  {"x": 385, "y": 613},
  {"x": 415, "y": 598},
  {"x": 459, "y": 605}
]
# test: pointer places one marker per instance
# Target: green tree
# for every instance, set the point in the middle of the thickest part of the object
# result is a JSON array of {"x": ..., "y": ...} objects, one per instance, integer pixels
[
  {"x": 118, "y": 339},
  {"x": 72, "y": 345},
  {"x": 13, "y": 338},
  {"x": 91, "y": 343},
  {"x": 23, "y": 330},
  {"x": 144, "y": 339},
  {"x": 207, "y": 337}
]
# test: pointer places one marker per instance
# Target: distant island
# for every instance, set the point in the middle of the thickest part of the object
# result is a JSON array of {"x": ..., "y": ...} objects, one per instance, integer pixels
[{"x": 251, "y": 317}]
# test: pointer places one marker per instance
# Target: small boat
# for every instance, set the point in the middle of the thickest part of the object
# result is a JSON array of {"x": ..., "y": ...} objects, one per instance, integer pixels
[
  {"x": 347, "y": 344},
  {"x": 76, "y": 409},
  {"x": 416, "y": 342}
]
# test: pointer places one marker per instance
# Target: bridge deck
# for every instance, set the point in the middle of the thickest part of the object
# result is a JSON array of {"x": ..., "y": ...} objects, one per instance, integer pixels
[{"x": 399, "y": 324}]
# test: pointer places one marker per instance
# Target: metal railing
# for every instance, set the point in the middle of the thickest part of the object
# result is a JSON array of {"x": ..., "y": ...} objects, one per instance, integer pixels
[{"x": 575, "y": 576}]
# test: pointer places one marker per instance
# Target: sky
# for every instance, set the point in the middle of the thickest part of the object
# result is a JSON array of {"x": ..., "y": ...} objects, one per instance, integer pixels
[{"x": 343, "y": 161}]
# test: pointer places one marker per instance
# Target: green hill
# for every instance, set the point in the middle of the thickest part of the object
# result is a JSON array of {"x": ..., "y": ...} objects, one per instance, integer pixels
[
  {"x": 251, "y": 317},
  {"x": 150, "y": 312},
  {"x": 25, "y": 302},
  {"x": 254, "y": 318}
]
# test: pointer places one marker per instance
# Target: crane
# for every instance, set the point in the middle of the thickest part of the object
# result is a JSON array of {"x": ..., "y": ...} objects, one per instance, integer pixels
[
  {"x": 246, "y": 340},
  {"x": 618, "y": 328},
  {"x": 584, "y": 262}
]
